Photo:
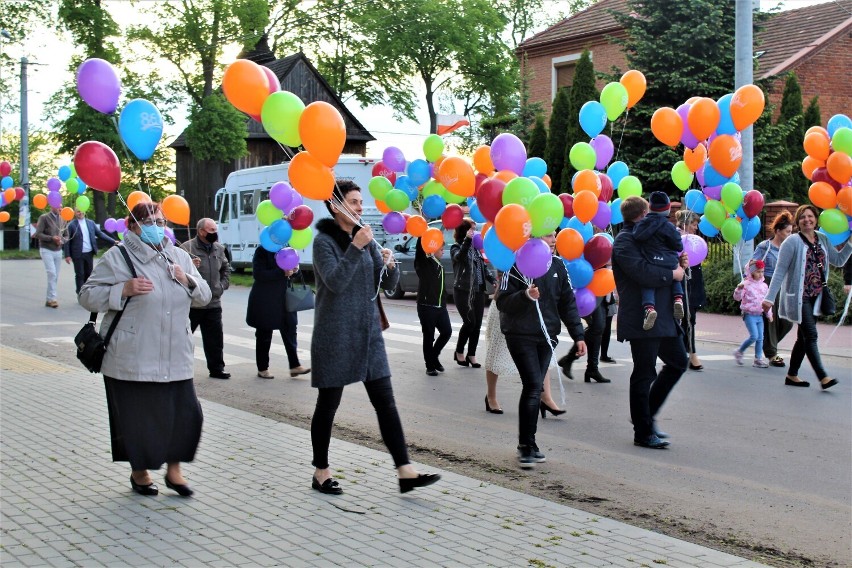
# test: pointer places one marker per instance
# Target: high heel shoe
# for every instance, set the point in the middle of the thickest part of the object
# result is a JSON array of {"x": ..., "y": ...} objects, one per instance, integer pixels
[
  {"x": 596, "y": 375},
  {"x": 422, "y": 480},
  {"x": 545, "y": 409},
  {"x": 463, "y": 363},
  {"x": 149, "y": 489},
  {"x": 492, "y": 410},
  {"x": 182, "y": 489},
  {"x": 471, "y": 363}
]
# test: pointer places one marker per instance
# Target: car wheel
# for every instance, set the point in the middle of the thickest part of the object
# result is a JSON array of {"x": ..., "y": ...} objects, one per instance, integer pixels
[{"x": 396, "y": 293}]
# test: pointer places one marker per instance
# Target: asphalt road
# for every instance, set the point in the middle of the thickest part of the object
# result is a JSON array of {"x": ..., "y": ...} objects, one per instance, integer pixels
[{"x": 753, "y": 466}]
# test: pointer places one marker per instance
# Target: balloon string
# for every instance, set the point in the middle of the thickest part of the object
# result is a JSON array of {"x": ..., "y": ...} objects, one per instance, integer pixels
[
  {"x": 623, "y": 127},
  {"x": 839, "y": 323}
]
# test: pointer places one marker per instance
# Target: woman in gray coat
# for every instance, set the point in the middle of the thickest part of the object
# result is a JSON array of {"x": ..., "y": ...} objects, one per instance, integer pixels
[
  {"x": 154, "y": 414},
  {"x": 347, "y": 345}
]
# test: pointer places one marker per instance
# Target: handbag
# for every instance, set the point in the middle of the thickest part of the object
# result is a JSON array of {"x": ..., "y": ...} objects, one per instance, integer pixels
[
  {"x": 383, "y": 318},
  {"x": 298, "y": 297},
  {"x": 91, "y": 347}
]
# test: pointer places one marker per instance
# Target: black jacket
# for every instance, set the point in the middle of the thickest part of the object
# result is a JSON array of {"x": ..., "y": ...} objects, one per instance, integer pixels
[
  {"x": 659, "y": 240},
  {"x": 73, "y": 247},
  {"x": 266, "y": 306},
  {"x": 518, "y": 314},
  {"x": 431, "y": 287},
  {"x": 632, "y": 273},
  {"x": 462, "y": 268}
]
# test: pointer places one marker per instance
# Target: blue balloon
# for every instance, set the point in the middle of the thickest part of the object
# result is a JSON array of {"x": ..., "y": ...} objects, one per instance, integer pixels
[
  {"x": 64, "y": 173},
  {"x": 707, "y": 228},
  {"x": 433, "y": 206},
  {"x": 836, "y": 239},
  {"x": 580, "y": 271},
  {"x": 586, "y": 230},
  {"x": 542, "y": 187},
  {"x": 141, "y": 127},
  {"x": 267, "y": 242},
  {"x": 280, "y": 232},
  {"x": 751, "y": 227},
  {"x": 476, "y": 214},
  {"x": 837, "y": 121},
  {"x": 712, "y": 177},
  {"x": 412, "y": 192},
  {"x": 81, "y": 186},
  {"x": 6, "y": 182},
  {"x": 593, "y": 119},
  {"x": 726, "y": 123},
  {"x": 615, "y": 208},
  {"x": 535, "y": 167},
  {"x": 740, "y": 212},
  {"x": 695, "y": 200},
  {"x": 617, "y": 171},
  {"x": 418, "y": 172},
  {"x": 498, "y": 254},
  {"x": 563, "y": 224}
]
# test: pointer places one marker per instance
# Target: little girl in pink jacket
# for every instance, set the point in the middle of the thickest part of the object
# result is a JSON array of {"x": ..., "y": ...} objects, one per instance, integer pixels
[{"x": 750, "y": 293}]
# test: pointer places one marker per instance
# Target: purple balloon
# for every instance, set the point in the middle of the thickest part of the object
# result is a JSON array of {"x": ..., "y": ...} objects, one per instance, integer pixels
[
  {"x": 98, "y": 85},
  {"x": 394, "y": 223},
  {"x": 53, "y": 184},
  {"x": 508, "y": 153},
  {"x": 603, "y": 217},
  {"x": 534, "y": 258},
  {"x": 604, "y": 150},
  {"x": 281, "y": 194},
  {"x": 688, "y": 139},
  {"x": 54, "y": 199},
  {"x": 170, "y": 235},
  {"x": 477, "y": 241},
  {"x": 295, "y": 201},
  {"x": 695, "y": 248},
  {"x": 287, "y": 259},
  {"x": 394, "y": 159},
  {"x": 109, "y": 225},
  {"x": 585, "y": 301},
  {"x": 120, "y": 225},
  {"x": 713, "y": 192}
]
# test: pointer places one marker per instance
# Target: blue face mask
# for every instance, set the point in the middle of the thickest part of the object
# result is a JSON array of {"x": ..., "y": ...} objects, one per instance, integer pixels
[{"x": 152, "y": 235}]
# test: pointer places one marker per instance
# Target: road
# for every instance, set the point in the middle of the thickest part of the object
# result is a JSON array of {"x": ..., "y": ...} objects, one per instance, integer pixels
[{"x": 753, "y": 466}]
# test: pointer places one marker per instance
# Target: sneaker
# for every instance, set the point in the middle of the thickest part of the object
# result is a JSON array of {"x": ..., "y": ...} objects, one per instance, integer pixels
[
  {"x": 761, "y": 364},
  {"x": 650, "y": 318},
  {"x": 432, "y": 372},
  {"x": 265, "y": 374},
  {"x": 526, "y": 457},
  {"x": 678, "y": 310},
  {"x": 538, "y": 456},
  {"x": 738, "y": 357}
]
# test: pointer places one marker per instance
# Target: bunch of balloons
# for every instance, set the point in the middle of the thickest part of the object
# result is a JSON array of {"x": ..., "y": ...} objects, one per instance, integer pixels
[
  {"x": 829, "y": 166},
  {"x": 710, "y": 133},
  {"x": 286, "y": 224},
  {"x": 8, "y": 193}
]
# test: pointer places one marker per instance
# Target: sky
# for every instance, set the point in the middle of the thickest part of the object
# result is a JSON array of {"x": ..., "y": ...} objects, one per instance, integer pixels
[{"x": 50, "y": 67}]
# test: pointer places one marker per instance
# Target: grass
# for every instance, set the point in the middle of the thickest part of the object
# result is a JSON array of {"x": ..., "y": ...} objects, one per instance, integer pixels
[{"x": 15, "y": 254}]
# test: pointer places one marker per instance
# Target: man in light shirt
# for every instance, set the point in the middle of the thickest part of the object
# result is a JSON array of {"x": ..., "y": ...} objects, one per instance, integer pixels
[{"x": 82, "y": 246}]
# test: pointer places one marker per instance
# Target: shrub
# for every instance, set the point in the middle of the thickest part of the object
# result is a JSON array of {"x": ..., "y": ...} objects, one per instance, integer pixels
[{"x": 719, "y": 283}]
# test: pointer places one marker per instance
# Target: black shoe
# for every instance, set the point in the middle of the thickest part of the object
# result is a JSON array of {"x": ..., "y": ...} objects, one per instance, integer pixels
[
  {"x": 545, "y": 409},
  {"x": 492, "y": 410},
  {"x": 596, "y": 375},
  {"x": 182, "y": 490},
  {"x": 526, "y": 457},
  {"x": 791, "y": 383},
  {"x": 329, "y": 486},
  {"x": 472, "y": 364},
  {"x": 828, "y": 385},
  {"x": 149, "y": 489},
  {"x": 565, "y": 364},
  {"x": 439, "y": 367},
  {"x": 607, "y": 359},
  {"x": 463, "y": 363},
  {"x": 696, "y": 367},
  {"x": 422, "y": 480},
  {"x": 537, "y": 456},
  {"x": 652, "y": 441},
  {"x": 432, "y": 372},
  {"x": 660, "y": 434},
  {"x": 220, "y": 375}
]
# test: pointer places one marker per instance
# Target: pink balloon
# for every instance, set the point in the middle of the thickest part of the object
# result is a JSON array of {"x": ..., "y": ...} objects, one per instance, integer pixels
[
  {"x": 98, "y": 85},
  {"x": 274, "y": 83},
  {"x": 585, "y": 301},
  {"x": 287, "y": 259},
  {"x": 604, "y": 150},
  {"x": 695, "y": 248},
  {"x": 533, "y": 258}
]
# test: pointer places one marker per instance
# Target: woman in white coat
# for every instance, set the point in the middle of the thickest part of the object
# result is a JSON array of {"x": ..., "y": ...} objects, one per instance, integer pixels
[{"x": 154, "y": 414}]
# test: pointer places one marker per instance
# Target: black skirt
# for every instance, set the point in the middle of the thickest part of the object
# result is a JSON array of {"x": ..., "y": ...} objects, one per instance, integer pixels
[{"x": 153, "y": 423}]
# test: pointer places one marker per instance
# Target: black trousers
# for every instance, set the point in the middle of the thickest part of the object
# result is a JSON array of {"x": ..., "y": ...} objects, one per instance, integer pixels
[
  {"x": 688, "y": 326},
  {"x": 83, "y": 266},
  {"x": 210, "y": 320},
  {"x": 593, "y": 336},
  {"x": 532, "y": 358},
  {"x": 605, "y": 337},
  {"x": 471, "y": 306},
  {"x": 263, "y": 341},
  {"x": 380, "y": 392},
  {"x": 432, "y": 318},
  {"x": 806, "y": 342},
  {"x": 649, "y": 389}
]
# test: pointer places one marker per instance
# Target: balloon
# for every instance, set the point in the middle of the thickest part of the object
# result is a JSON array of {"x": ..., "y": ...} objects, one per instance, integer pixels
[
  {"x": 310, "y": 177},
  {"x": 635, "y": 84},
  {"x": 19, "y": 193},
  {"x": 39, "y": 201},
  {"x": 4, "y": 216},
  {"x": 246, "y": 86},
  {"x": 135, "y": 198},
  {"x": 695, "y": 158},
  {"x": 732, "y": 196},
  {"x": 280, "y": 231},
  {"x": 569, "y": 244},
  {"x": 839, "y": 166},
  {"x": 586, "y": 230},
  {"x": 703, "y": 118},
  {"x": 592, "y": 118},
  {"x": 176, "y": 209},
  {"x": 274, "y": 83},
  {"x": 513, "y": 225},
  {"x": 606, "y": 188},
  {"x": 604, "y": 150},
  {"x": 280, "y": 115},
  {"x": 82, "y": 203},
  {"x": 396, "y": 200},
  {"x": 98, "y": 85},
  {"x": 586, "y": 180},
  {"x": 841, "y": 141},
  {"x": 833, "y": 221},
  {"x": 66, "y": 213},
  {"x": 836, "y": 122},
  {"x": 681, "y": 176},
  {"x": 567, "y": 204},
  {"x": 120, "y": 225},
  {"x": 54, "y": 199},
  {"x": 6, "y": 182},
  {"x": 822, "y": 195},
  {"x": 5, "y": 168},
  {"x": 393, "y": 158},
  {"x": 731, "y": 231},
  {"x": 617, "y": 171},
  {"x": 582, "y": 156},
  {"x": 416, "y": 226},
  {"x": 98, "y": 166},
  {"x": 614, "y": 99},
  {"x": 323, "y": 132},
  {"x": 266, "y": 241},
  {"x": 433, "y": 147},
  {"x": 695, "y": 248},
  {"x": 586, "y": 301},
  {"x": 817, "y": 145},
  {"x": 432, "y": 240},
  {"x": 534, "y": 258},
  {"x": 521, "y": 191},
  {"x": 667, "y": 127},
  {"x": 281, "y": 195},
  {"x": 580, "y": 272},
  {"x": 585, "y": 206},
  {"x": 300, "y": 217},
  {"x": 452, "y": 216},
  {"x": 615, "y": 210},
  {"x": 394, "y": 223},
  {"x": 712, "y": 177},
  {"x": 53, "y": 184},
  {"x": 687, "y": 138},
  {"x": 489, "y": 198},
  {"x": 750, "y": 227},
  {"x": 746, "y": 106},
  {"x": 477, "y": 241},
  {"x": 603, "y": 217},
  {"x": 726, "y": 123},
  {"x": 603, "y": 282},
  {"x": 535, "y": 167},
  {"x": 726, "y": 153},
  {"x": 380, "y": 169},
  {"x": 844, "y": 200},
  {"x": 433, "y": 206},
  {"x": 9, "y": 195},
  {"x": 141, "y": 128},
  {"x": 715, "y": 214},
  {"x": 545, "y": 214},
  {"x": 628, "y": 186},
  {"x": 752, "y": 203},
  {"x": 498, "y": 254},
  {"x": 457, "y": 176},
  {"x": 419, "y": 172},
  {"x": 837, "y": 239},
  {"x": 287, "y": 259},
  {"x": 482, "y": 160},
  {"x": 597, "y": 251},
  {"x": 508, "y": 153},
  {"x": 301, "y": 238}
]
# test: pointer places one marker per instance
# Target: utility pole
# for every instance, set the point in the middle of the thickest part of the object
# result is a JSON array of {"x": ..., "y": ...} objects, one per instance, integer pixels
[
  {"x": 24, "y": 207},
  {"x": 744, "y": 75}
]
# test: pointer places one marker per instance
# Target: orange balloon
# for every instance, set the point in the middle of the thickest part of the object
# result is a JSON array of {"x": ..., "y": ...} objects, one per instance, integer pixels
[
  {"x": 817, "y": 129},
  {"x": 691, "y": 100},
  {"x": 39, "y": 201},
  {"x": 4, "y": 216},
  {"x": 810, "y": 164},
  {"x": 603, "y": 282},
  {"x": 817, "y": 145},
  {"x": 176, "y": 209},
  {"x": 9, "y": 195},
  {"x": 310, "y": 177},
  {"x": 634, "y": 82},
  {"x": 838, "y": 164},
  {"x": 416, "y": 226},
  {"x": 546, "y": 179},
  {"x": 746, "y": 106},
  {"x": 844, "y": 200},
  {"x": 513, "y": 225},
  {"x": 726, "y": 154},
  {"x": 436, "y": 165},
  {"x": 703, "y": 118},
  {"x": 569, "y": 244},
  {"x": 822, "y": 195},
  {"x": 246, "y": 86},
  {"x": 136, "y": 197},
  {"x": 486, "y": 227},
  {"x": 585, "y": 206},
  {"x": 505, "y": 175},
  {"x": 382, "y": 206},
  {"x": 587, "y": 180},
  {"x": 695, "y": 158},
  {"x": 667, "y": 126},
  {"x": 432, "y": 240},
  {"x": 323, "y": 132},
  {"x": 67, "y": 213},
  {"x": 482, "y": 160},
  {"x": 457, "y": 176}
]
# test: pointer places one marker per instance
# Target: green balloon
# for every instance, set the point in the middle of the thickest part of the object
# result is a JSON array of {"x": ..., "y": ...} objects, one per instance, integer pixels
[
  {"x": 280, "y": 117},
  {"x": 546, "y": 212},
  {"x": 731, "y": 229},
  {"x": 72, "y": 185},
  {"x": 301, "y": 238},
  {"x": 582, "y": 156},
  {"x": 715, "y": 212},
  {"x": 681, "y": 176},
  {"x": 629, "y": 186},
  {"x": 520, "y": 190},
  {"x": 396, "y": 200},
  {"x": 433, "y": 147},
  {"x": 379, "y": 187},
  {"x": 451, "y": 197},
  {"x": 614, "y": 100},
  {"x": 732, "y": 195},
  {"x": 267, "y": 213},
  {"x": 73, "y": 171},
  {"x": 842, "y": 140},
  {"x": 833, "y": 221},
  {"x": 82, "y": 203},
  {"x": 434, "y": 187}
]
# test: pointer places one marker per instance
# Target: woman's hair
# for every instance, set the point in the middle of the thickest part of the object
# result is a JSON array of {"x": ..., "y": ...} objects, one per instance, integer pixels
[
  {"x": 801, "y": 211},
  {"x": 781, "y": 221},
  {"x": 142, "y": 211},
  {"x": 342, "y": 188},
  {"x": 462, "y": 229},
  {"x": 685, "y": 217}
]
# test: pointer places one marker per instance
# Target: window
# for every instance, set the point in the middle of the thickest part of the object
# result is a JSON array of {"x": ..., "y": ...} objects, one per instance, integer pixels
[
  {"x": 562, "y": 72},
  {"x": 247, "y": 203},
  {"x": 225, "y": 208}
]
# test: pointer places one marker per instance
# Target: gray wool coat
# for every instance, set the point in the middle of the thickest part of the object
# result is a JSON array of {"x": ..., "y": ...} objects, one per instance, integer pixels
[{"x": 347, "y": 344}]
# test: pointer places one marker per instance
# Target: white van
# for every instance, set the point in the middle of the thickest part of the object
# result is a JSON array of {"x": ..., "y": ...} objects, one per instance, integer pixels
[{"x": 237, "y": 202}]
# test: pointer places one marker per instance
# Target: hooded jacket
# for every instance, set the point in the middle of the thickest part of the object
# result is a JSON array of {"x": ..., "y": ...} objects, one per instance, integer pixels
[{"x": 431, "y": 286}]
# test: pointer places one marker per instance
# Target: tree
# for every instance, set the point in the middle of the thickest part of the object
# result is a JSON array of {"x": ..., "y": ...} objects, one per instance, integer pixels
[
  {"x": 812, "y": 114},
  {"x": 538, "y": 140},
  {"x": 791, "y": 114},
  {"x": 582, "y": 90},
  {"x": 556, "y": 138},
  {"x": 772, "y": 166}
]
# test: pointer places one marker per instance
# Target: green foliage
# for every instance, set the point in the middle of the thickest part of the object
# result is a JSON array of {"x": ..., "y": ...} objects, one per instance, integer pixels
[
  {"x": 538, "y": 140},
  {"x": 793, "y": 184},
  {"x": 582, "y": 91},
  {"x": 772, "y": 165},
  {"x": 812, "y": 114},
  {"x": 41, "y": 165},
  {"x": 217, "y": 115},
  {"x": 719, "y": 284},
  {"x": 554, "y": 153}
]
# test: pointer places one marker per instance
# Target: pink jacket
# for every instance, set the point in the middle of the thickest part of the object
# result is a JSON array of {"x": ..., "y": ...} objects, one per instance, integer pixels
[{"x": 751, "y": 295}]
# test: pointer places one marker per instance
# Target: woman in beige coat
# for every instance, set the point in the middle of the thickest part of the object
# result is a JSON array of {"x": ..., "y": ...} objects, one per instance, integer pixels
[{"x": 154, "y": 414}]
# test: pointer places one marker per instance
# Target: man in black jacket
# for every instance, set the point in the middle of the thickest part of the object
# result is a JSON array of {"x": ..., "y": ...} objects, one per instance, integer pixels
[
  {"x": 648, "y": 389},
  {"x": 82, "y": 246}
]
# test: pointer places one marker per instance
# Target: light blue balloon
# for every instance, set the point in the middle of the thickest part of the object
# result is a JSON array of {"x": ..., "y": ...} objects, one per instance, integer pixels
[
  {"x": 751, "y": 227},
  {"x": 64, "y": 173},
  {"x": 836, "y": 239},
  {"x": 586, "y": 230},
  {"x": 837, "y": 121},
  {"x": 476, "y": 214},
  {"x": 707, "y": 228},
  {"x": 433, "y": 206},
  {"x": 81, "y": 186},
  {"x": 498, "y": 254},
  {"x": 695, "y": 200},
  {"x": 280, "y": 232},
  {"x": 617, "y": 171},
  {"x": 542, "y": 187},
  {"x": 735, "y": 178},
  {"x": 726, "y": 123},
  {"x": 615, "y": 208},
  {"x": 580, "y": 271},
  {"x": 741, "y": 213},
  {"x": 418, "y": 172},
  {"x": 535, "y": 167},
  {"x": 563, "y": 224},
  {"x": 141, "y": 128},
  {"x": 7, "y": 182},
  {"x": 712, "y": 177},
  {"x": 593, "y": 119},
  {"x": 267, "y": 242}
]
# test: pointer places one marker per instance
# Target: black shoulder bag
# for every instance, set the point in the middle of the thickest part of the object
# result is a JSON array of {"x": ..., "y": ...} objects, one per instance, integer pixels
[
  {"x": 298, "y": 297},
  {"x": 91, "y": 347}
]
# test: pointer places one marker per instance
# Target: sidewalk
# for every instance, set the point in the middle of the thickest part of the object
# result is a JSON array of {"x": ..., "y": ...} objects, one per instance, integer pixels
[{"x": 64, "y": 503}]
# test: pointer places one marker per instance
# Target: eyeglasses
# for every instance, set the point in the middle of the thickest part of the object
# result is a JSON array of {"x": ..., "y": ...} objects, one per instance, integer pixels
[{"x": 150, "y": 222}]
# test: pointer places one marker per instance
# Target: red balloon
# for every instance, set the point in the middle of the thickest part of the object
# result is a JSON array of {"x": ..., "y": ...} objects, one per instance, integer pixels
[
  {"x": 300, "y": 217},
  {"x": 97, "y": 165},
  {"x": 478, "y": 181},
  {"x": 598, "y": 251},
  {"x": 752, "y": 203},
  {"x": 380, "y": 169},
  {"x": 452, "y": 216},
  {"x": 5, "y": 168},
  {"x": 606, "y": 188},
  {"x": 567, "y": 204},
  {"x": 821, "y": 174},
  {"x": 19, "y": 193},
  {"x": 490, "y": 197}
]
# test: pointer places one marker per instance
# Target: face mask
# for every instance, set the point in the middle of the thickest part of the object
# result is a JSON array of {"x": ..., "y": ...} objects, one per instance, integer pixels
[
  {"x": 212, "y": 237},
  {"x": 152, "y": 235}
]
